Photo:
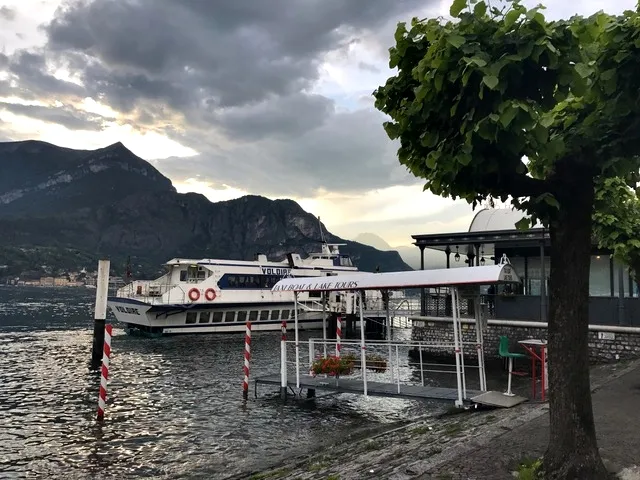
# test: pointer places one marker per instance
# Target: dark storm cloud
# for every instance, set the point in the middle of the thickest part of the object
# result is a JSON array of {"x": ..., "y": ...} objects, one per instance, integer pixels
[
  {"x": 223, "y": 53},
  {"x": 32, "y": 80},
  {"x": 277, "y": 117},
  {"x": 241, "y": 74},
  {"x": 348, "y": 153},
  {"x": 7, "y": 13},
  {"x": 68, "y": 116}
]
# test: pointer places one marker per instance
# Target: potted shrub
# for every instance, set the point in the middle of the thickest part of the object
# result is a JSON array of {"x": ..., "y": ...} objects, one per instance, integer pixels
[
  {"x": 375, "y": 362},
  {"x": 332, "y": 366}
]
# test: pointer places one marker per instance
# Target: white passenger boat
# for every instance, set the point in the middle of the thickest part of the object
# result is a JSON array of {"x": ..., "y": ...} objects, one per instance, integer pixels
[{"x": 219, "y": 296}]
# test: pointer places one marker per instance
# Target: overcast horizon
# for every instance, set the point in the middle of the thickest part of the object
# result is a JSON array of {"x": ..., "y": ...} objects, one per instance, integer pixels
[{"x": 233, "y": 98}]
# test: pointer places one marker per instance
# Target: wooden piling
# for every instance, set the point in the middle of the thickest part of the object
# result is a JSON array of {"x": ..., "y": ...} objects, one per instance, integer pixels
[{"x": 100, "y": 313}]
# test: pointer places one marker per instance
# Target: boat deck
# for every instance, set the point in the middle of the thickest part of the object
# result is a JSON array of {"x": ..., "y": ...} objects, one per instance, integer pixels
[{"x": 380, "y": 389}]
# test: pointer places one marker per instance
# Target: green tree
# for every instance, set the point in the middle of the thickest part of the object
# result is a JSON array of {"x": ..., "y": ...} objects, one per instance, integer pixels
[
  {"x": 506, "y": 104},
  {"x": 616, "y": 221}
]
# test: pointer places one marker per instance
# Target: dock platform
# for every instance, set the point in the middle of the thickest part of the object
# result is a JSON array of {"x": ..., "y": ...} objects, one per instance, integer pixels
[{"x": 379, "y": 389}]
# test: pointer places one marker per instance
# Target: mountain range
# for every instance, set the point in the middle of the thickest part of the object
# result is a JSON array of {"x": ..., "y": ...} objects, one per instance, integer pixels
[
  {"x": 410, "y": 254},
  {"x": 62, "y": 209}
]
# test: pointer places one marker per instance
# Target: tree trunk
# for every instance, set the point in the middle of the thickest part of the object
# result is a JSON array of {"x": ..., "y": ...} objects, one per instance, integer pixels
[{"x": 573, "y": 450}]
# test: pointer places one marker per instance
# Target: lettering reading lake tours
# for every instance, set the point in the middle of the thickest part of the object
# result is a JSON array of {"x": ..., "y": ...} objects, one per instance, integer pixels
[
  {"x": 130, "y": 310},
  {"x": 316, "y": 286},
  {"x": 281, "y": 272}
]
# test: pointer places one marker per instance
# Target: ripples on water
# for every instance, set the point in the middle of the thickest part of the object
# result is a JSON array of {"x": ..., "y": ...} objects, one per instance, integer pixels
[{"x": 174, "y": 405}]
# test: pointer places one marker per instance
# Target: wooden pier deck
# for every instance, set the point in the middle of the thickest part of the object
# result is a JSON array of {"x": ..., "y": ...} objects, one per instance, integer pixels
[{"x": 379, "y": 389}]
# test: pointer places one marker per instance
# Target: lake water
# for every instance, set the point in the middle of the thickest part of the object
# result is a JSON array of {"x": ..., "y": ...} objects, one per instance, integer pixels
[{"x": 174, "y": 408}]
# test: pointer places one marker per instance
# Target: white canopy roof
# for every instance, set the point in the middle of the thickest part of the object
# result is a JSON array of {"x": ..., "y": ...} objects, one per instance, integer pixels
[{"x": 398, "y": 280}]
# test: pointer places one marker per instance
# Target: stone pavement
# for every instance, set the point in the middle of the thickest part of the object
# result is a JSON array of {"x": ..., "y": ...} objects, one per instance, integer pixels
[
  {"x": 481, "y": 445},
  {"x": 615, "y": 406}
]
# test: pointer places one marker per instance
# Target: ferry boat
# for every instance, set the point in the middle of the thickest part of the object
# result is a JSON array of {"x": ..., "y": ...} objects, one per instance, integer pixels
[{"x": 219, "y": 296}]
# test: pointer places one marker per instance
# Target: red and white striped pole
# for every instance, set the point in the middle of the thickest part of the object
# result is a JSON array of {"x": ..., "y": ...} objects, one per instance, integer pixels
[
  {"x": 338, "y": 335},
  {"x": 247, "y": 359},
  {"x": 283, "y": 362},
  {"x": 106, "y": 355}
]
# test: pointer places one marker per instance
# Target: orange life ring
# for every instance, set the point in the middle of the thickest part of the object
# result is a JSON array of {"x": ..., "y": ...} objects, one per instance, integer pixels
[
  {"x": 194, "y": 294},
  {"x": 210, "y": 294}
]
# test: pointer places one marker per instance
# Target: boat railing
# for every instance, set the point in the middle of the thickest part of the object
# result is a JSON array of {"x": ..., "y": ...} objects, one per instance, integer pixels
[{"x": 151, "y": 292}]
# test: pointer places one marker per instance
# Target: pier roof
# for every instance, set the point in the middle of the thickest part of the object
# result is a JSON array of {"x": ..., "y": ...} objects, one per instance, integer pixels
[{"x": 484, "y": 275}]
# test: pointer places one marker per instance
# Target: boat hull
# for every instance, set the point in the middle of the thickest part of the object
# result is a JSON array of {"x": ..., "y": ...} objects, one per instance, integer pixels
[{"x": 157, "y": 320}]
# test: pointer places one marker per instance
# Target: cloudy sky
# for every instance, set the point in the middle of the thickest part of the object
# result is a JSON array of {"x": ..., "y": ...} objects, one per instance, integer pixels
[{"x": 227, "y": 97}]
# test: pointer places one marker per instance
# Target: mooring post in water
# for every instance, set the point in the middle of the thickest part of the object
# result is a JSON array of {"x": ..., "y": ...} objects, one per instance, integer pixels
[
  {"x": 100, "y": 315},
  {"x": 283, "y": 361},
  {"x": 247, "y": 359},
  {"x": 338, "y": 335},
  {"x": 104, "y": 377}
]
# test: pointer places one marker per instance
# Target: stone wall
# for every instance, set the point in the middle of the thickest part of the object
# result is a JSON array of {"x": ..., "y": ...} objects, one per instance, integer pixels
[{"x": 605, "y": 343}]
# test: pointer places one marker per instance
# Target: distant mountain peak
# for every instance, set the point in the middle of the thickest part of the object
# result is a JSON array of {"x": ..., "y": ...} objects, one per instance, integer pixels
[
  {"x": 373, "y": 240},
  {"x": 117, "y": 148}
]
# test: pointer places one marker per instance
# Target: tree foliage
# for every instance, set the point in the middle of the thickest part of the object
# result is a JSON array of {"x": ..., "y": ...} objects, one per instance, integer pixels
[
  {"x": 616, "y": 221},
  {"x": 505, "y": 104},
  {"x": 488, "y": 105}
]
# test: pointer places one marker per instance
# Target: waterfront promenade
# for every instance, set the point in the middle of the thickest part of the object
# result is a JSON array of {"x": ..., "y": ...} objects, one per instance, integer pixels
[{"x": 481, "y": 445}]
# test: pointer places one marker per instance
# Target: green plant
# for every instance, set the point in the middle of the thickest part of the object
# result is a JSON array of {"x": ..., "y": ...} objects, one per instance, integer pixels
[
  {"x": 421, "y": 430},
  {"x": 372, "y": 445},
  {"x": 530, "y": 469},
  {"x": 453, "y": 429},
  {"x": 317, "y": 466}
]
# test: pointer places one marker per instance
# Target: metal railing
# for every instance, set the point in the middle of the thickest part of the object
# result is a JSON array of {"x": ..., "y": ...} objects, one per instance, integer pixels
[
  {"x": 386, "y": 361},
  {"x": 153, "y": 293}
]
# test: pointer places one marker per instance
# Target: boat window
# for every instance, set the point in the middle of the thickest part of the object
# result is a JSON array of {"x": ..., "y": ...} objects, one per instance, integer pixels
[
  {"x": 230, "y": 316},
  {"x": 183, "y": 275},
  {"x": 264, "y": 315},
  {"x": 345, "y": 261},
  {"x": 253, "y": 315},
  {"x": 252, "y": 281},
  {"x": 275, "y": 315},
  {"x": 242, "y": 316},
  {"x": 191, "y": 317},
  {"x": 217, "y": 316},
  {"x": 201, "y": 275},
  {"x": 285, "y": 314},
  {"x": 205, "y": 317},
  {"x": 192, "y": 273},
  {"x": 315, "y": 294}
]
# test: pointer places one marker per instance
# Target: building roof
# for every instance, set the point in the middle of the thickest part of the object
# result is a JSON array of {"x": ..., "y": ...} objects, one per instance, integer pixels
[
  {"x": 489, "y": 227},
  {"x": 494, "y": 219},
  {"x": 485, "y": 275}
]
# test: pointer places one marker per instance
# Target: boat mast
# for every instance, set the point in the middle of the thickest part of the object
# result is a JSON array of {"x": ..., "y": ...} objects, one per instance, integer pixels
[{"x": 321, "y": 232}]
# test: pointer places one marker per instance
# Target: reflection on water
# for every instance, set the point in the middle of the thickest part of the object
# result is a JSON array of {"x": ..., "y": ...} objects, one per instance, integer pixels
[{"x": 174, "y": 405}]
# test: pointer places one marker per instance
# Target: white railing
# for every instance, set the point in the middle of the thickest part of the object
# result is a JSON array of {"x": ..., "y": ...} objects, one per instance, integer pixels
[
  {"x": 386, "y": 361},
  {"x": 153, "y": 293}
]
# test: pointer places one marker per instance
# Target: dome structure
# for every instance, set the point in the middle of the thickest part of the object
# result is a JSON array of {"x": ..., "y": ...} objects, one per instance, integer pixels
[{"x": 497, "y": 219}]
